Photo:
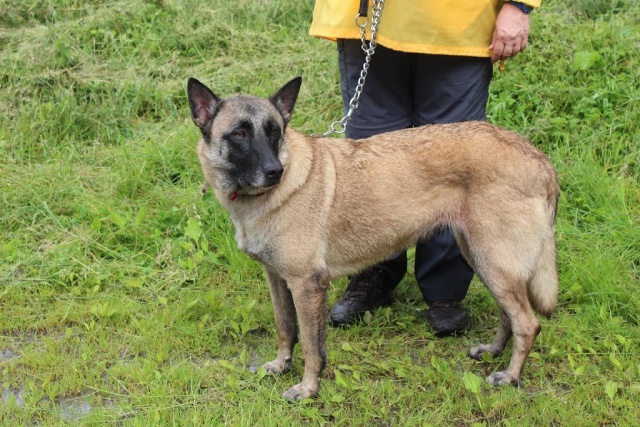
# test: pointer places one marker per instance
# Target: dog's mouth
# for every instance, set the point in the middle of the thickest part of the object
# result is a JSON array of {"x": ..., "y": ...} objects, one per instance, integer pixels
[
  {"x": 249, "y": 187},
  {"x": 254, "y": 191},
  {"x": 256, "y": 186}
]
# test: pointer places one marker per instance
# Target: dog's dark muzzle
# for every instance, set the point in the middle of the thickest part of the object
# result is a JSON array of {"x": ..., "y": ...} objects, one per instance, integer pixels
[{"x": 261, "y": 168}]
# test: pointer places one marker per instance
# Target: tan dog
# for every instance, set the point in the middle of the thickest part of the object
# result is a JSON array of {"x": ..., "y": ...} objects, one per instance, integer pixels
[{"x": 312, "y": 209}]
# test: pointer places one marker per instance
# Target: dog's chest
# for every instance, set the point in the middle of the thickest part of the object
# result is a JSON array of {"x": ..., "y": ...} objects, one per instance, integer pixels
[{"x": 255, "y": 243}]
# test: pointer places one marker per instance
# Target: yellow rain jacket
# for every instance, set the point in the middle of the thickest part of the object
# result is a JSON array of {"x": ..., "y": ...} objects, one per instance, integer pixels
[{"x": 444, "y": 27}]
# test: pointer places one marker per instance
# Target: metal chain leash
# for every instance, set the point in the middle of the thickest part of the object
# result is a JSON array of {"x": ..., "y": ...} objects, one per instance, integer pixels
[{"x": 361, "y": 21}]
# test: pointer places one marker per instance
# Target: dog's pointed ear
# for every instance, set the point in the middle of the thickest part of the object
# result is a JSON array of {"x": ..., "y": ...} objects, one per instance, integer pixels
[
  {"x": 202, "y": 101},
  {"x": 285, "y": 98}
]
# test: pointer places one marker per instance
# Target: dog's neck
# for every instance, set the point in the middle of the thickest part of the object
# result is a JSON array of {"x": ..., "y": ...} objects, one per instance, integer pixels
[{"x": 297, "y": 163}]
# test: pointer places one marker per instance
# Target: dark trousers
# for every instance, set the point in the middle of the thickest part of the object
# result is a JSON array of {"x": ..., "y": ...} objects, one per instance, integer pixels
[{"x": 404, "y": 90}]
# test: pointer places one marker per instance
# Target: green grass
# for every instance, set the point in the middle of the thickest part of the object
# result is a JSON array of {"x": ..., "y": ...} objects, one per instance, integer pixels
[{"x": 124, "y": 300}]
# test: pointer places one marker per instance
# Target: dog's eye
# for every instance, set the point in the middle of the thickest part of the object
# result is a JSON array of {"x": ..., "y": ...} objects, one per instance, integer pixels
[
  {"x": 239, "y": 134},
  {"x": 274, "y": 133}
]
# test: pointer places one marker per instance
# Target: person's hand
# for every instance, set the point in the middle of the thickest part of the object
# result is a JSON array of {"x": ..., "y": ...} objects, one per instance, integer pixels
[{"x": 510, "y": 34}]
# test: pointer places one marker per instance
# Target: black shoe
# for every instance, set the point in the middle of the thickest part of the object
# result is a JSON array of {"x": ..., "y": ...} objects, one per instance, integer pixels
[
  {"x": 448, "y": 318},
  {"x": 366, "y": 291}
]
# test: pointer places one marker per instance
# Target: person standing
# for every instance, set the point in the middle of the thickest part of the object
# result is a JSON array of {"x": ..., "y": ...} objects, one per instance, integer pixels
[{"x": 433, "y": 64}]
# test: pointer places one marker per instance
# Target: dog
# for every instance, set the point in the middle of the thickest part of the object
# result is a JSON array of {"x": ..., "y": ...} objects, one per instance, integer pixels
[{"x": 312, "y": 209}]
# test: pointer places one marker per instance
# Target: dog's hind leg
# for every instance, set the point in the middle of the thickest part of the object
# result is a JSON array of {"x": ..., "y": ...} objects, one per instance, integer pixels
[
  {"x": 285, "y": 314},
  {"x": 517, "y": 319},
  {"x": 514, "y": 297},
  {"x": 500, "y": 341},
  {"x": 505, "y": 241},
  {"x": 310, "y": 297},
  {"x": 525, "y": 328},
  {"x": 504, "y": 329}
]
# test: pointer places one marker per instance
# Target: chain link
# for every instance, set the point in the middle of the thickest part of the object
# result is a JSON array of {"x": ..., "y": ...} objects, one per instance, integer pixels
[{"x": 369, "y": 49}]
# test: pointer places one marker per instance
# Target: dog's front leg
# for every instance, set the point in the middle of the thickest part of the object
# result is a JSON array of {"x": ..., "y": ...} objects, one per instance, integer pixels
[
  {"x": 285, "y": 314},
  {"x": 310, "y": 296}
]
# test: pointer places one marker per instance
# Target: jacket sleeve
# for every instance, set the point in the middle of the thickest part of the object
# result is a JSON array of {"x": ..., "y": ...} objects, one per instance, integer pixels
[{"x": 532, "y": 3}]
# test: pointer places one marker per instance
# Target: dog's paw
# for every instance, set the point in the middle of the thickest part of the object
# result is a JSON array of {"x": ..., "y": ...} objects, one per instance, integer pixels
[
  {"x": 502, "y": 378},
  {"x": 277, "y": 367},
  {"x": 299, "y": 392},
  {"x": 476, "y": 352}
]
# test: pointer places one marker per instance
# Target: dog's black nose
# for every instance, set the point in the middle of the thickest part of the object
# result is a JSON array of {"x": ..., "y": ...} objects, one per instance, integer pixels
[{"x": 273, "y": 172}]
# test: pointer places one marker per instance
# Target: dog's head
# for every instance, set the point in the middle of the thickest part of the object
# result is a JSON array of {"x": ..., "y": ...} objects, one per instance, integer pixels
[{"x": 242, "y": 150}]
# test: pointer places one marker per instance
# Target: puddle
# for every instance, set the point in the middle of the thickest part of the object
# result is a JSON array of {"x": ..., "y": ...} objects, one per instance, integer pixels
[
  {"x": 73, "y": 409},
  {"x": 70, "y": 410},
  {"x": 13, "y": 394},
  {"x": 6, "y": 355}
]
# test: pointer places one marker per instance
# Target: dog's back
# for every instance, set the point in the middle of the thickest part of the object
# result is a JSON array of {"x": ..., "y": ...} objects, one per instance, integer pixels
[{"x": 384, "y": 193}]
